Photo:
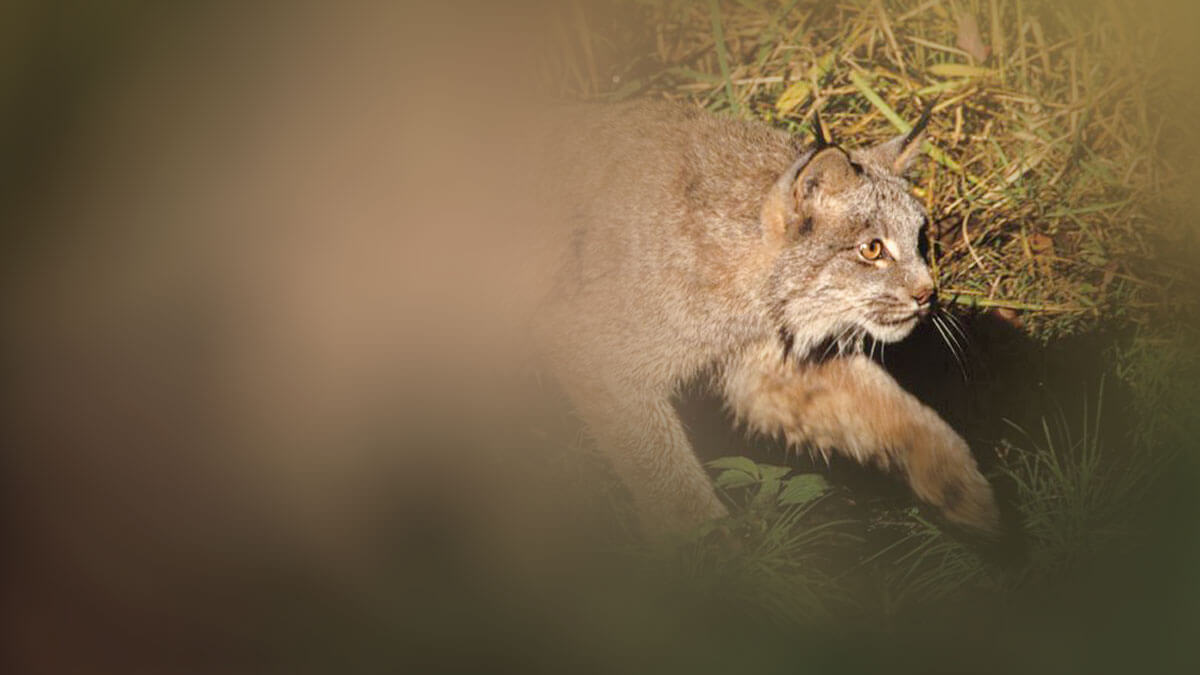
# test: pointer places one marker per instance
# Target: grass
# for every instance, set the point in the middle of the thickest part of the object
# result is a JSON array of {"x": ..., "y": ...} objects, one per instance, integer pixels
[{"x": 1074, "y": 499}]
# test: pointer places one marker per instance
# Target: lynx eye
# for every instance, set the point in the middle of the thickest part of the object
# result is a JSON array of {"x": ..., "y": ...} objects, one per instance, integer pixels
[{"x": 872, "y": 250}]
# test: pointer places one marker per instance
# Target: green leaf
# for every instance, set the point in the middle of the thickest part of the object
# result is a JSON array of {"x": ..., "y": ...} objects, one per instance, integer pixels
[
  {"x": 735, "y": 462},
  {"x": 803, "y": 489},
  {"x": 772, "y": 472},
  {"x": 733, "y": 478},
  {"x": 766, "y": 493}
]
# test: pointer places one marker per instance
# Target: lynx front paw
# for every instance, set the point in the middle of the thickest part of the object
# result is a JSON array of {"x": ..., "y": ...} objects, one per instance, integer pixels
[
  {"x": 968, "y": 500},
  {"x": 942, "y": 472}
]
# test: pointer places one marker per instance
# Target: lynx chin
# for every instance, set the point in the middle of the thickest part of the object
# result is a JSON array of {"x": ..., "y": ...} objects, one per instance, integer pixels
[{"x": 702, "y": 243}]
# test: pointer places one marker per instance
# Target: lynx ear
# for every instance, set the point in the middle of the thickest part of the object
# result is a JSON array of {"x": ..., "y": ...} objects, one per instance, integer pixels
[
  {"x": 898, "y": 154},
  {"x": 827, "y": 170}
]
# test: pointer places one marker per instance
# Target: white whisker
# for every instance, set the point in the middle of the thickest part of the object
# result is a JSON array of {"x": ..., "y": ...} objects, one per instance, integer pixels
[
  {"x": 937, "y": 324},
  {"x": 950, "y": 334},
  {"x": 955, "y": 323}
]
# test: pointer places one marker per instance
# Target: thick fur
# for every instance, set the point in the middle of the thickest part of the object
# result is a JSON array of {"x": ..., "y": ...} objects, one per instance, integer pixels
[{"x": 698, "y": 241}]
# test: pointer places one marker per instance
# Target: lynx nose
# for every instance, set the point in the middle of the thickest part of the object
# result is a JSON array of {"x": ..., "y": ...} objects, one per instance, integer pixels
[{"x": 924, "y": 297}]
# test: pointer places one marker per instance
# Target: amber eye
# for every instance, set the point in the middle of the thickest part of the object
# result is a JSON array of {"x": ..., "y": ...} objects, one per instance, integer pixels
[{"x": 872, "y": 250}]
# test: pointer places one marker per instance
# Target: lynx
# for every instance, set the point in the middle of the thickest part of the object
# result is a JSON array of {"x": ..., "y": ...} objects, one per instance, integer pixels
[{"x": 700, "y": 242}]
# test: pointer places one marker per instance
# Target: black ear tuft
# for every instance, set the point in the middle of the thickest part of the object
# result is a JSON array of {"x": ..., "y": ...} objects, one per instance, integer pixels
[
  {"x": 919, "y": 127},
  {"x": 820, "y": 140}
]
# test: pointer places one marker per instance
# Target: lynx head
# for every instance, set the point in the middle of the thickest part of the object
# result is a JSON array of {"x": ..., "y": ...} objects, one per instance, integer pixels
[{"x": 848, "y": 234}]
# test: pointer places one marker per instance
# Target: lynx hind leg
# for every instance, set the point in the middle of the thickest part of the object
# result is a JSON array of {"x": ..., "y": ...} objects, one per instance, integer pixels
[
  {"x": 850, "y": 405},
  {"x": 647, "y": 447}
]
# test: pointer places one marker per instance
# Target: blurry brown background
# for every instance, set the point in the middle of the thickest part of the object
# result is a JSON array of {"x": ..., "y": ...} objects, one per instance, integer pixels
[{"x": 263, "y": 277}]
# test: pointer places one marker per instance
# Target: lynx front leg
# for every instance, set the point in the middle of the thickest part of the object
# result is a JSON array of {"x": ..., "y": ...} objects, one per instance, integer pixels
[
  {"x": 850, "y": 405},
  {"x": 648, "y": 448}
]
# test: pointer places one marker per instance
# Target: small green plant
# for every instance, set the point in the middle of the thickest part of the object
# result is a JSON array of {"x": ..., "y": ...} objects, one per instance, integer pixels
[{"x": 767, "y": 486}]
